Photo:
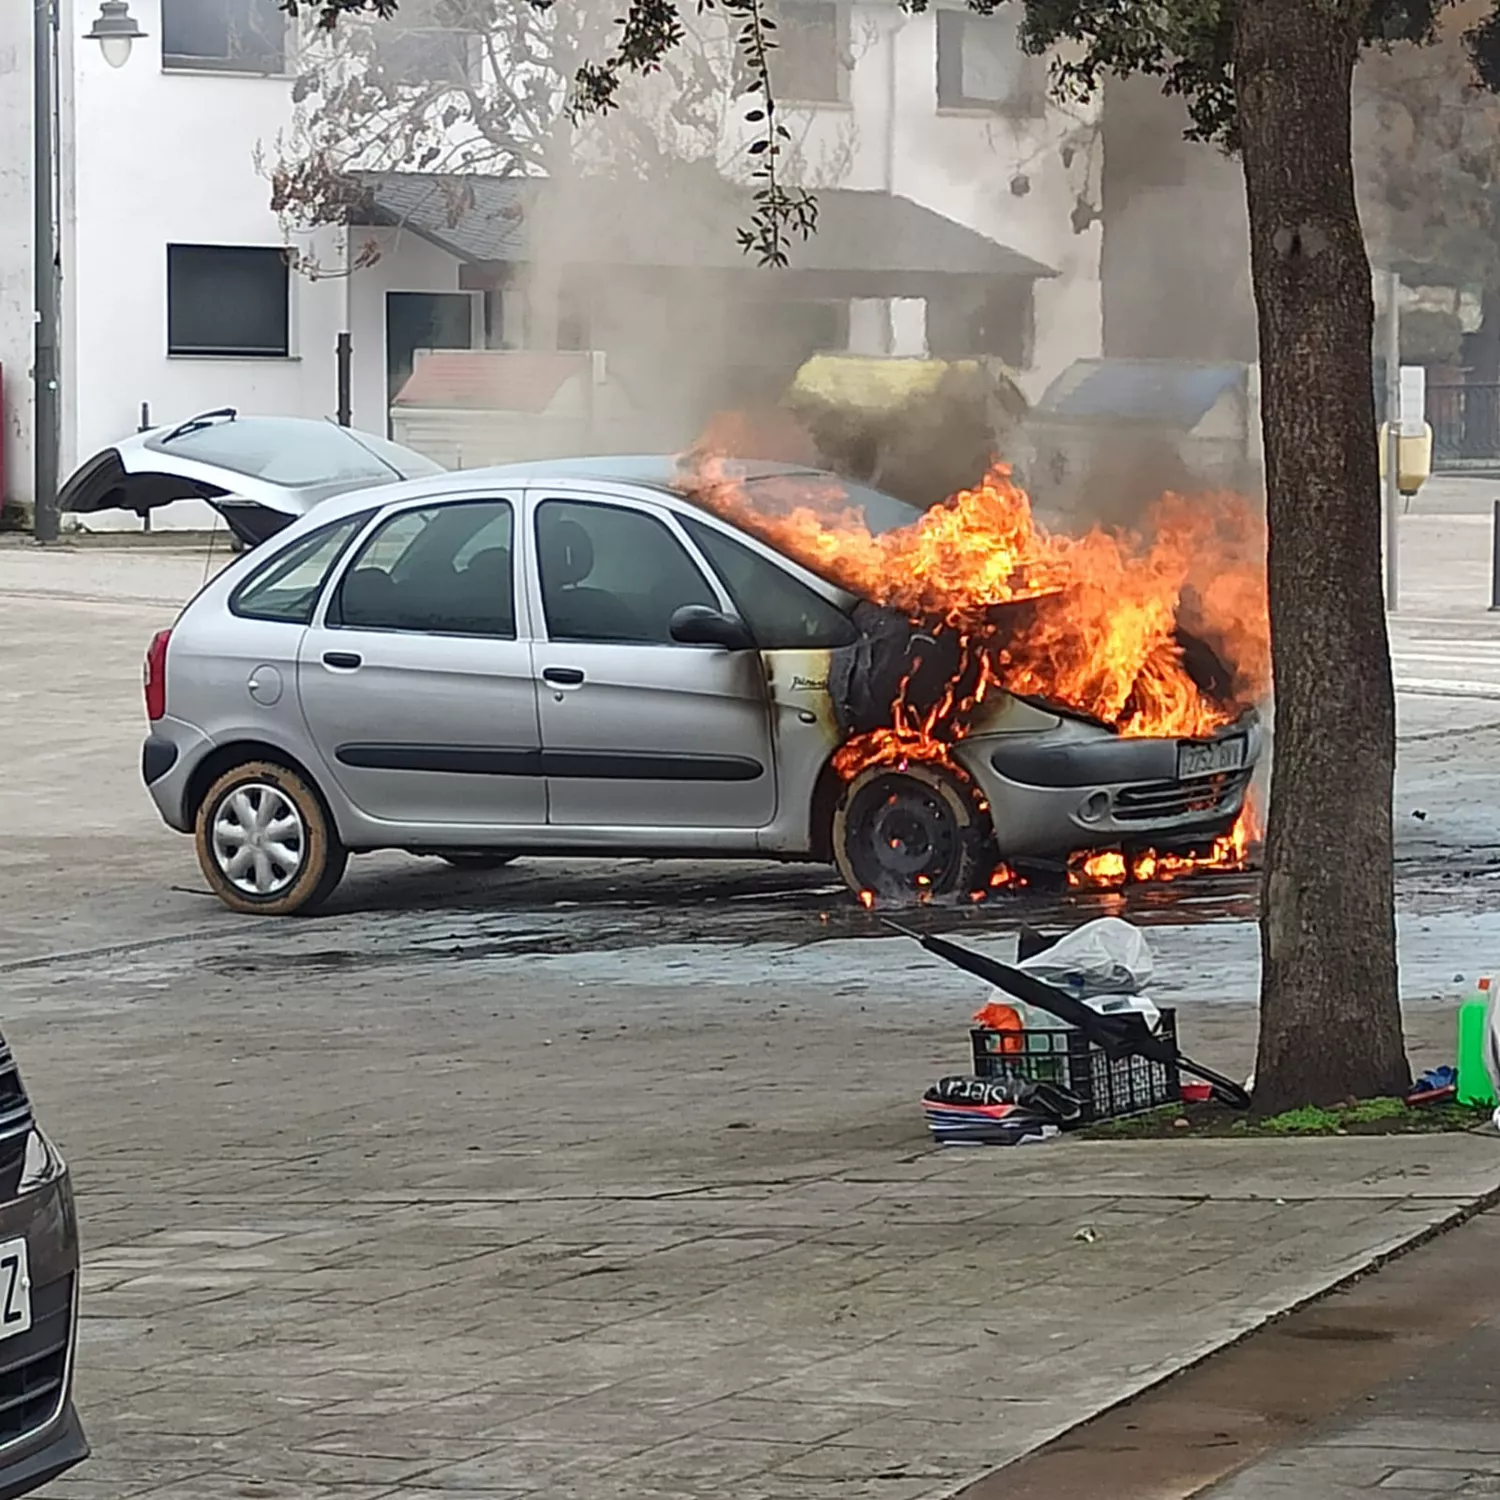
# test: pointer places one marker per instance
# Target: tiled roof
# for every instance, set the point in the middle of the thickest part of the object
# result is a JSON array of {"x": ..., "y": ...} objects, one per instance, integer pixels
[
  {"x": 490, "y": 380},
  {"x": 486, "y": 219}
]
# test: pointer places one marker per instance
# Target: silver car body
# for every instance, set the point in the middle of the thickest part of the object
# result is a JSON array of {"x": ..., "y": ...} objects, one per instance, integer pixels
[
  {"x": 437, "y": 741},
  {"x": 259, "y": 473}
]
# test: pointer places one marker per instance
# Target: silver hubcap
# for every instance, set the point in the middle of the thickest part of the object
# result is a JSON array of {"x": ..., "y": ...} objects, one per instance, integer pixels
[{"x": 259, "y": 839}]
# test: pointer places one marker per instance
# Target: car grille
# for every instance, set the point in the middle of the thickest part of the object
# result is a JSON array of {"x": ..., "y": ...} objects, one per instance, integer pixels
[
  {"x": 1205, "y": 795},
  {"x": 34, "y": 1364}
]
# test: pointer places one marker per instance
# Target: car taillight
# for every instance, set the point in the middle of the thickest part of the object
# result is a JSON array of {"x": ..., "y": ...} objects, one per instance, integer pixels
[{"x": 156, "y": 675}]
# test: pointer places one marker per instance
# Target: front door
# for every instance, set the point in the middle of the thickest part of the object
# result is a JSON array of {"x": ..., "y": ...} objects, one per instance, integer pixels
[
  {"x": 417, "y": 681},
  {"x": 639, "y": 731}
]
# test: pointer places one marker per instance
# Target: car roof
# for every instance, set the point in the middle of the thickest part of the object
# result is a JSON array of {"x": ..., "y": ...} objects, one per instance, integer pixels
[{"x": 654, "y": 471}]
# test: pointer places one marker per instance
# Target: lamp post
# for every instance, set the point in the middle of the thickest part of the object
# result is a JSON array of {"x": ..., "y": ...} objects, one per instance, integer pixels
[{"x": 115, "y": 30}]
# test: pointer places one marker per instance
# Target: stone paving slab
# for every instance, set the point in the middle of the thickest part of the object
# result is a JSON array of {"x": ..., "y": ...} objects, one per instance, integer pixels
[{"x": 470, "y": 1229}]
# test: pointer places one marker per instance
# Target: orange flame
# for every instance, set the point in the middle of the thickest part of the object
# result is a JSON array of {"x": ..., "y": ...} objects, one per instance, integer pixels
[
  {"x": 1100, "y": 632},
  {"x": 1109, "y": 869}
]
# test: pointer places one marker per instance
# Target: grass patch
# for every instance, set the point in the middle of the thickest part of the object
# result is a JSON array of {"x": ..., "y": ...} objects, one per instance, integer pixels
[{"x": 1364, "y": 1117}]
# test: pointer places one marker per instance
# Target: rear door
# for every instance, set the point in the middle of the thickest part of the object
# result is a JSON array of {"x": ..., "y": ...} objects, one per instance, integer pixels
[
  {"x": 416, "y": 677},
  {"x": 638, "y": 730}
]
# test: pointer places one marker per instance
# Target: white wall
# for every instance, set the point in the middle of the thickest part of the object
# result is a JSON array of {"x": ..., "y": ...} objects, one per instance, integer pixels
[
  {"x": 164, "y": 158},
  {"x": 961, "y": 163}
]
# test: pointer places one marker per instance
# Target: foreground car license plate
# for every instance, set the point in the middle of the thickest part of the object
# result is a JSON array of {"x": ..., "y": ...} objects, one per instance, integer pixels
[
  {"x": 1194, "y": 759},
  {"x": 15, "y": 1289}
]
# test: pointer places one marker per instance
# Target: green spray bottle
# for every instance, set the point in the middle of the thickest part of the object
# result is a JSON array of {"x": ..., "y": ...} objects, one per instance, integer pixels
[{"x": 1477, "y": 1018}]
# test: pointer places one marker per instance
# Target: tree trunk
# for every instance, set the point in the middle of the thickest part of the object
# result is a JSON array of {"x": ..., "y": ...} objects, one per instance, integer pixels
[{"x": 1330, "y": 1012}]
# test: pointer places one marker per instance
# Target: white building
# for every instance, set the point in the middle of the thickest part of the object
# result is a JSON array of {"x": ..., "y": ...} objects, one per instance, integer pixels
[{"x": 178, "y": 296}]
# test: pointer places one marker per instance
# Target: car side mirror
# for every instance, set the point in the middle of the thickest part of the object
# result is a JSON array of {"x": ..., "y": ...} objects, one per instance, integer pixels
[{"x": 698, "y": 625}]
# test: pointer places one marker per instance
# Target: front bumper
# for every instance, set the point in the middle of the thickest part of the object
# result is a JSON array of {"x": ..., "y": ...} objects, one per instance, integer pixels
[
  {"x": 30, "y": 1470},
  {"x": 1081, "y": 787},
  {"x": 40, "y": 1434}
]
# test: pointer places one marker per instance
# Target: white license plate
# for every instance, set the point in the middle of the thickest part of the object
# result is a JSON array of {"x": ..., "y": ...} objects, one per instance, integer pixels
[
  {"x": 1195, "y": 759},
  {"x": 15, "y": 1289}
]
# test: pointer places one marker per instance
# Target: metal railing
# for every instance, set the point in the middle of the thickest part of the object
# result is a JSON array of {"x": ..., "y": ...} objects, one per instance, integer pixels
[{"x": 1465, "y": 422}]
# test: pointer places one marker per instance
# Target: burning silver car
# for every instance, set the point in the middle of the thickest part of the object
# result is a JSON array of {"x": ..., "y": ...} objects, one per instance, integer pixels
[{"x": 596, "y": 657}]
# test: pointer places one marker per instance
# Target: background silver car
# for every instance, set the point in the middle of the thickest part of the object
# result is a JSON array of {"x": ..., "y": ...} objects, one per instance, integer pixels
[{"x": 575, "y": 658}]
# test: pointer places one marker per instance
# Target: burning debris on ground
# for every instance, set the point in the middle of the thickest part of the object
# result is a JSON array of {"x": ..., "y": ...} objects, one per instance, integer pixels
[{"x": 1157, "y": 633}]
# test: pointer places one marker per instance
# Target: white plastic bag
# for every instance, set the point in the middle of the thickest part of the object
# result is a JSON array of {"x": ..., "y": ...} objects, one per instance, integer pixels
[
  {"x": 1104, "y": 957},
  {"x": 1105, "y": 963}
]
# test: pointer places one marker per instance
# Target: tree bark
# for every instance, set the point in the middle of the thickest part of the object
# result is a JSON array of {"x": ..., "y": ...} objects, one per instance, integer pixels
[{"x": 1330, "y": 1013}]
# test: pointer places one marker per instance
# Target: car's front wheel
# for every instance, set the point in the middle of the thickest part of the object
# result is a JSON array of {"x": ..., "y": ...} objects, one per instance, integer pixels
[
  {"x": 266, "y": 843},
  {"x": 919, "y": 831}
]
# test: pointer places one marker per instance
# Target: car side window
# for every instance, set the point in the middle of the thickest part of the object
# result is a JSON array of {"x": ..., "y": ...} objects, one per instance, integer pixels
[
  {"x": 441, "y": 570},
  {"x": 612, "y": 574},
  {"x": 783, "y": 614},
  {"x": 286, "y": 587}
]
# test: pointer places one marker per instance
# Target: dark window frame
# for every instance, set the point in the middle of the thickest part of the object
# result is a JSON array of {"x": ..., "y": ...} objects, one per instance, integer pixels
[
  {"x": 272, "y": 63},
  {"x": 713, "y": 583},
  {"x": 333, "y": 616},
  {"x": 181, "y": 345},
  {"x": 399, "y": 49},
  {"x": 787, "y": 27},
  {"x": 706, "y": 538},
  {"x": 304, "y": 545},
  {"x": 952, "y": 26}
]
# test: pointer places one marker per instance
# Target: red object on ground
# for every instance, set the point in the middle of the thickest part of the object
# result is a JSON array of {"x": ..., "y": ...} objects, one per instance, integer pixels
[
  {"x": 1006, "y": 1019},
  {"x": 1197, "y": 1093}
]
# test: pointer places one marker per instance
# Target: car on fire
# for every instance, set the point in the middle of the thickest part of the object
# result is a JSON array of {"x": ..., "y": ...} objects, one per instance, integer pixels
[{"x": 582, "y": 658}]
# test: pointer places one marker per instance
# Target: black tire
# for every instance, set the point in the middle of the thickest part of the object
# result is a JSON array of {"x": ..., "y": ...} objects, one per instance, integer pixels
[
  {"x": 913, "y": 834},
  {"x": 478, "y": 862},
  {"x": 291, "y": 889}
]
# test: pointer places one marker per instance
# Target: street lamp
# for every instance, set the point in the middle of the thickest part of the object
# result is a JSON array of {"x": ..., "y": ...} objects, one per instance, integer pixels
[{"x": 115, "y": 29}]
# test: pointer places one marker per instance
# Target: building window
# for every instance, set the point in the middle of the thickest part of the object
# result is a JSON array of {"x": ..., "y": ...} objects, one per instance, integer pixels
[
  {"x": 226, "y": 36},
  {"x": 418, "y": 56},
  {"x": 980, "y": 65},
  {"x": 228, "y": 300},
  {"x": 811, "y": 62}
]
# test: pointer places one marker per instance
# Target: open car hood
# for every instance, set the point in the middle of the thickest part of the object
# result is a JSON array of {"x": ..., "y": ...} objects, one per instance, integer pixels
[{"x": 259, "y": 473}]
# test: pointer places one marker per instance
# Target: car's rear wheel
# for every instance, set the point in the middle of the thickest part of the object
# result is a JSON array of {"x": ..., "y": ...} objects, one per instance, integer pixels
[
  {"x": 905, "y": 834},
  {"x": 477, "y": 862},
  {"x": 266, "y": 842}
]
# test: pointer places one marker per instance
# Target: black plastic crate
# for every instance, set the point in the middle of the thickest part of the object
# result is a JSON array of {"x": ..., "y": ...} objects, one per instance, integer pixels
[{"x": 1061, "y": 1055}]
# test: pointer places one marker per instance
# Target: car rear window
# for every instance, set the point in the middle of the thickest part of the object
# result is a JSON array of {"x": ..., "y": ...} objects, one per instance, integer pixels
[
  {"x": 286, "y": 587},
  {"x": 297, "y": 454}
]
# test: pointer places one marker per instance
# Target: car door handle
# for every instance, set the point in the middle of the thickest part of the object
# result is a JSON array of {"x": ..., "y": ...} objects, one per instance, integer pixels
[
  {"x": 562, "y": 676},
  {"x": 346, "y": 661}
]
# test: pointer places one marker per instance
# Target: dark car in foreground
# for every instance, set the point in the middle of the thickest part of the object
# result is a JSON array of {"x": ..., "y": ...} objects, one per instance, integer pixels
[{"x": 40, "y": 1434}]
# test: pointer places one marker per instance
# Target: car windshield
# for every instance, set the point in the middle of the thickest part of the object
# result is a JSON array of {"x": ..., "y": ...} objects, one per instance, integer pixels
[
  {"x": 294, "y": 452},
  {"x": 829, "y": 495}
]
